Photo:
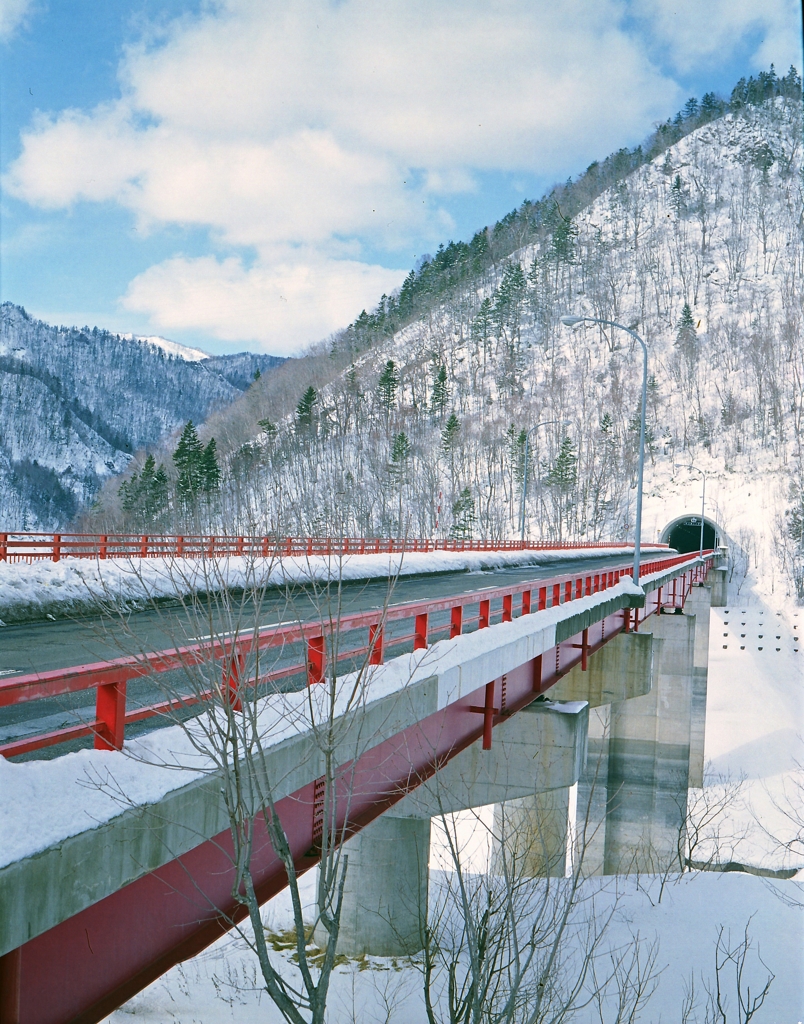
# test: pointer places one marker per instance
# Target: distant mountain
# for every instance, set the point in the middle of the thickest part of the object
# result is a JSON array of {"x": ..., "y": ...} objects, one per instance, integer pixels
[
  {"x": 76, "y": 403},
  {"x": 240, "y": 367}
]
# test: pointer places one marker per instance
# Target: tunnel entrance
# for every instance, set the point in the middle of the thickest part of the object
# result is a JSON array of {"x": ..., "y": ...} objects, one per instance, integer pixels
[{"x": 685, "y": 534}]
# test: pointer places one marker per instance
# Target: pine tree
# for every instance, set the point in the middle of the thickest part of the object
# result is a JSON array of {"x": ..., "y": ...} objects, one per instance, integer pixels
[
  {"x": 563, "y": 474},
  {"x": 400, "y": 453},
  {"x": 463, "y": 515},
  {"x": 210, "y": 470},
  {"x": 257, "y": 374},
  {"x": 188, "y": 458},
  {"x": 440, "y": 395},
  {"x": 687, "y": 335},
  {"x": 306, "y": 407},
  {"x": 678, "y": 196},
  {"x": 387, "y": 385},
  {"x": 449, "y": 435}
]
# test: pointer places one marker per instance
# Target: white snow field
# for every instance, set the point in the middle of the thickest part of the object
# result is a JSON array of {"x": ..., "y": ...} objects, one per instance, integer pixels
[{"x": 754, "y": 716}]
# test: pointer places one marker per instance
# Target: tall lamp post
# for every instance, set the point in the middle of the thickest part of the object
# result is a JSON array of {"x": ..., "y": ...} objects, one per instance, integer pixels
[
  {"x": 703, "y": 504},
  {"x": 573, "y": 321},
  {"x": 545, "y": 423}
]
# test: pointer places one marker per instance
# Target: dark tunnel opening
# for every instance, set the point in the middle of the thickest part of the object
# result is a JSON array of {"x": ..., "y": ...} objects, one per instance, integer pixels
[{"x": 686, "y": 535}]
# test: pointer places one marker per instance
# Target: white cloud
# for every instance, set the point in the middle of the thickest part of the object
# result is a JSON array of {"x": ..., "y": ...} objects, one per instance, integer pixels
[
  {"x": 13, "y": 15},
  {"x": 277, "y": 306},
  {"x": 694, "y": 31},
  {"x": 333, "y": 128}
]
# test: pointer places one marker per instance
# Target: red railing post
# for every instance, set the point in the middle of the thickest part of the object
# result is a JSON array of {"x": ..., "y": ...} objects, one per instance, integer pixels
[
  {"x": 316, "y": 658},
  {"x": 483, "y": 619},
  {"x": 542, "y": 604},
  {"x": 56, "y": 547},
  {"x": 376, "y": 639},
  {"x": 144, "y": 546},
  {"x": 568, "y": 591},
  {"x": 110, "y": 713},
  {"x": 456, "y": 621},
  {"x": 420, "y": 632},
  {"x": 104, "y": 546},
  {"x": 526, "y": 599},
  {"x": 240, "y": 545},
  {"x": 264, "y": 547},
  {"x": 488, "y": 716},
  {"x": 3, "y": 547},
  {"x": 507, "y": 608},
  {"x": 232, "y": 675}
]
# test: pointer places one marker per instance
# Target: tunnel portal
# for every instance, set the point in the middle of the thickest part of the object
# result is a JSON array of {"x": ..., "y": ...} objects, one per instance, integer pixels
[{"x": 684, "y": 534}]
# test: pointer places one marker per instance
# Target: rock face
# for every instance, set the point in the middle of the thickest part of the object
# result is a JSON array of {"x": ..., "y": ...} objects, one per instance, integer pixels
[{"x": 76, "y": 403}]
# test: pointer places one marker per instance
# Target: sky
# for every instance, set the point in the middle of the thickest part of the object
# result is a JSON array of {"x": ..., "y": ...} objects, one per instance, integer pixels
[{"x": 250, "y": 174}]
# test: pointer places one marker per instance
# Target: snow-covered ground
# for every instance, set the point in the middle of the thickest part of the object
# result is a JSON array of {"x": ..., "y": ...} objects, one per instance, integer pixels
[
  {"x": 75, "y": 586},
  {"x": 754, "y": 725}
]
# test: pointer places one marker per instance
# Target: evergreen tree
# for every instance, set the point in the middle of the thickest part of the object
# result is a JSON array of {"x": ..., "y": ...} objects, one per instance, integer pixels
[
  {"x": 449, "y": 435},
  {"x": 188, "y": 458},
  {"x": 210, "y": 470},
  {"x": 400, "y": 453},
  {"x": 257, "y": 374},
  {"x": 463, "y": 515},
  {"x": 387, "y": 385},
  {"x": 687, "y": 335},
  {"x": 440, "y": 395},
  {"x": 563, "y": 474},
  {"x": 306, "y": 407},
  {"x": 678, "y": 196}
]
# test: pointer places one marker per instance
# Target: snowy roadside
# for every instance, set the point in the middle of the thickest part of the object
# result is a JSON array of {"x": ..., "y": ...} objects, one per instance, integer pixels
[{"x": 80, "y": 587}]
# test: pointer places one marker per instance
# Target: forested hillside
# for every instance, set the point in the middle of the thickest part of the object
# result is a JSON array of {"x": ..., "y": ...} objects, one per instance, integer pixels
[
  {"x": 75, "y": 404},
  {"x": 414, "y": 419}
]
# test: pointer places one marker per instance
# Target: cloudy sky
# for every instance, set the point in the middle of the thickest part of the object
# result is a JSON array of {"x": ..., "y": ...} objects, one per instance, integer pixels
[{"x": 251, "y": 174}]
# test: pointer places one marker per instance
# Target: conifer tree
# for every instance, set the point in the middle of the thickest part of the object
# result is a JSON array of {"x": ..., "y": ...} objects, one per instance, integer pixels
[
  {"x": 440, "y": 395},
  {"x": 188, "y": 458},
  {"x": 210, "y": 470},
  {"x": 387, "y": 385},
  {"x": 463, "y": 515},
  {"x": 306, "y": 407},
  {"x": 687, "y": 335}
]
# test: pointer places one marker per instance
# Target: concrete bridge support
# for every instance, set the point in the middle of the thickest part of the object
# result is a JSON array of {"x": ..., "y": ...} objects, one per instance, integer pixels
[
  {"x": 536, "y": 756},
  {"x": 698, "y": 604},
  {"x": 385, "y": 896},
  {"x": 649, "y": 756}
]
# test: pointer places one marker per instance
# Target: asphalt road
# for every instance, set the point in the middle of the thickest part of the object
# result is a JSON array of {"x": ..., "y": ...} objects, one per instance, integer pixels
[{"x": 37, "y": 647}]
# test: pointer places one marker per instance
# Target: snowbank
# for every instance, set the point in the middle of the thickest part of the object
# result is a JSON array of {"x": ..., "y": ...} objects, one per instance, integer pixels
[{"x": 80, "y": 586}]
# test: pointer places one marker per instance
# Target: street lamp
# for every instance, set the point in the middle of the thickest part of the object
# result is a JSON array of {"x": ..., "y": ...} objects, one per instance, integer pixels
[
  {"x": 573, "y": 321},
  {"x": 546, "y": 423},
  {"x": 703, "y": 503}
]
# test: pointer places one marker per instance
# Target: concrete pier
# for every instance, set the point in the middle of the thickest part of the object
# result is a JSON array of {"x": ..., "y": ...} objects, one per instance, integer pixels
[
  {"x": 698, "y": 604},
  {"x": 649, "y": 754},
  {"x": 384, "y": 907}
]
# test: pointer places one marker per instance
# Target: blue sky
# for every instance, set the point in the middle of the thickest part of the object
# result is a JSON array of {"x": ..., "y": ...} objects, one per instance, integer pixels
[{"x": 240, "y": 174}]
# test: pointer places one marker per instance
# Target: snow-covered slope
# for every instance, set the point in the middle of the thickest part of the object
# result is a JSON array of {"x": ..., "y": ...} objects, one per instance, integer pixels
[
  {"x": 702, "y": 248},
  {"x": 74, "y": 405}
]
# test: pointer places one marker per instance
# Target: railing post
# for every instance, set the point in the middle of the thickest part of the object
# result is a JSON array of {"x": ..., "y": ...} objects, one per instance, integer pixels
[
  {"x": 376, "y": 638},
  {"x": 483, "y": 620},
  {"x": 507, "y": 608},
  {"x": 584, "y": 649},
  {"x": 526, "y": 599},
  {"x": 420, "y": 632},
  {"x": 568, "y": 591},
  {"x": 456, "y": 621},
  {"x": 233, "y": 673},
  {"x": 542, "y": 598},
  {"x": 104, "y": 545},
  {"x": 144, "y": 546},
  {"x": 488, "y": 716},
  {"x": 240, "y": 546},
  {"x": 110, "y": 713},
  {"x": 3, "y": 547},
  {"x": 56, "y": 547},
  {"x": 316, "y": 660},
  {"x": 556, "y": 595}
]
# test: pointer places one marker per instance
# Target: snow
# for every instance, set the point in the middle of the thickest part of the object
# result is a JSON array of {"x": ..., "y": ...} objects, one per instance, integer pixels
[
  {"x": 71, "y": 586},
  {"x": 172, "y": 348}
]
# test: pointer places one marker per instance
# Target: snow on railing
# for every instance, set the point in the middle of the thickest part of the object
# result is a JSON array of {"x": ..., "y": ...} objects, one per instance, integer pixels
[
  {"x": 30, "y": 547},
  {"x": 109, "y": 678}
]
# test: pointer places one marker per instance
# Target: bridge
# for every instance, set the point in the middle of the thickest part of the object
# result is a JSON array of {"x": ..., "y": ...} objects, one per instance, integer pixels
[{"x": 459, "y": 718}]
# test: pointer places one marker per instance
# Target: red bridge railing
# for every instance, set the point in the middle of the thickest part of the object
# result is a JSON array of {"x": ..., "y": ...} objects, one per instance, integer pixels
[
  {"x": 109, "y": 678},
  {"x": 30, "y": 547}
]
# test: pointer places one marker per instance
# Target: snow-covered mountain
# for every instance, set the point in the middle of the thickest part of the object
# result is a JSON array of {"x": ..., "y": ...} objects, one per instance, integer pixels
[
  {"x": 76, "y": 403},
  {"x": 422, "y": 429}
]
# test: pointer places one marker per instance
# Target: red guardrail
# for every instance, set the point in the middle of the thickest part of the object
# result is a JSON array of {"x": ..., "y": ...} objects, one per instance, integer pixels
[
  {"x": 30, "y": 547},
  {"x": 109, "y": 678}
]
